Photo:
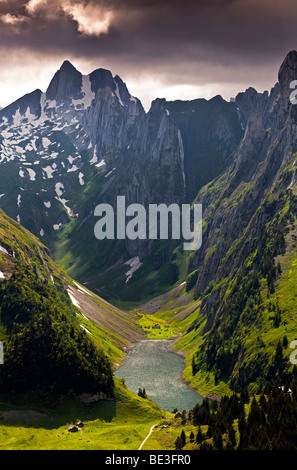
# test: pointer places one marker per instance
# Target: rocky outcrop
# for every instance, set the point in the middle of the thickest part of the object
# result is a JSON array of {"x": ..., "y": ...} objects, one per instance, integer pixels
[{"x": 237, "y": 204}]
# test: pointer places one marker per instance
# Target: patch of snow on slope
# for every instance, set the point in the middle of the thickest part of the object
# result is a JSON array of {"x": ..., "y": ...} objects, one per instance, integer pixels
[
  {"x": 49, "y": 171},
  {"x": 134, "y": 264},
  {"x": 88, "y": 94},
  {"x": 73, "y": 168},
  {"x": 59, "y": 188},
  {"x": 46, "y": 142},
  {"x": 4, "y": 250},
  {"x": 101, "y": 164},
  {"x": 73, "y": 300},
  {"x": 94, "y": 158},
  {"x": 117, "y": 92},
  {"x": 32, "y": 174},
  {"x": 81, "y": 178},
  {"x": 17, "y": 118}
]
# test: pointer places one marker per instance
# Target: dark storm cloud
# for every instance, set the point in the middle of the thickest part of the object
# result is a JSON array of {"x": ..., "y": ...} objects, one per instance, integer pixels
[
  {"x": 152, "y": 29},
  {"x": 180, "y": 41}
]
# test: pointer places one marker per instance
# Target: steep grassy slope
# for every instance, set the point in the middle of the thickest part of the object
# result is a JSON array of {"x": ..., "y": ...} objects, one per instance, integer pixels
[
  {"x": 242, "y": 278},
  {"x": 113, "y": 329},
  {"x": 120, "y": 424},
  {"x": 245, "y": 338},
  {"x": 43, "y": 326},
  {"x": 58, "y": 336}
]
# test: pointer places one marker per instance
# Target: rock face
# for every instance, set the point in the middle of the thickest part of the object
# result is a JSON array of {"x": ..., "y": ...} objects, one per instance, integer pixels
[
  {"x": 65, "y": 85},
  {"x": 237, "y": 204},
  {"x": 86, "y": 140}
]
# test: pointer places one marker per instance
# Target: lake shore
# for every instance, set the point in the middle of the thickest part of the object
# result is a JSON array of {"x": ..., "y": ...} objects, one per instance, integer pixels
[
  {"x": 153, "y": 366},
  {"x": 210, "y": 396}
]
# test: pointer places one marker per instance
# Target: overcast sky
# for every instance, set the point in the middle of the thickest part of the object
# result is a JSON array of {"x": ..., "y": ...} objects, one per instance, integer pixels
[{"x": 161, "y": 48}]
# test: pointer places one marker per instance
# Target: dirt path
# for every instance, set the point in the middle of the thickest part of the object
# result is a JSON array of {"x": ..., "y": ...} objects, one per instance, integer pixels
[{"x": 143, "y": 442}]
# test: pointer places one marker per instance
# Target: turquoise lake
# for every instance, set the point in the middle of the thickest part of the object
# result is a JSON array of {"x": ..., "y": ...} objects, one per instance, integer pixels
[{"x": 152, "y": 366}]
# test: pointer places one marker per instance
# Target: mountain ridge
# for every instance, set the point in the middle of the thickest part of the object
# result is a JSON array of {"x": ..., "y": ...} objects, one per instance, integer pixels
[{"x": 235, "y": 158}]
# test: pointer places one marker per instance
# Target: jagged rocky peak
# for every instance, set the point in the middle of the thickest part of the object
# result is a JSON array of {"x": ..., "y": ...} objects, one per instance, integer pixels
[
  {"x": 288, "y": 69},
  {"x": 158, "y": 105},
  {"x": 250, "y": 100},
  {"x": 121, "y": 87},
  {"x": 102, "y": 78},
  {"x": 26, "y": 106},
  {"x": 66, "y": 83},
  {"x": 69, "y": 84},
  {"x": 287, "y": 74},
  {"x": 217, "y": 99}
]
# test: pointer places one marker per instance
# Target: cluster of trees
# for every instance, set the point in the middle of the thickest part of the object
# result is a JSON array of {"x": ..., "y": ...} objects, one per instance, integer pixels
[
  {"x": 142, "y": 392},
  {"x": 45, "y": 349},
  {"x": 181, "y": 440},
  {"x": 239, "y": 422}
]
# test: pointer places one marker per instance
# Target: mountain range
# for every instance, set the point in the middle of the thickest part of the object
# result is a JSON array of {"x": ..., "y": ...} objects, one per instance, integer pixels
[
  {"x": 66, "y": 150},
  {"x": 86, "y": 140}
]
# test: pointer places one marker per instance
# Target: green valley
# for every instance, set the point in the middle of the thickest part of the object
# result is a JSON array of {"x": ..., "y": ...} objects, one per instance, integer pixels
[{"x": 73, "y": 307}]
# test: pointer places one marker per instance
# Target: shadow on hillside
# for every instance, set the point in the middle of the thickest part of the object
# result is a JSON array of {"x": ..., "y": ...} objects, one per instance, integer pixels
[{"x": 68, "y": 412}]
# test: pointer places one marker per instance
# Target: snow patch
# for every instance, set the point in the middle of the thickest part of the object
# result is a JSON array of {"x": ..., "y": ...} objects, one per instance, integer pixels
[
  {"x": 101, "y": 164},
  {"x": 81, "y": 178},
  {"x": 134, "y": 264},
  {"x": 46, "y": 142},
  {"x": 4, "y": 250},
  {"x": 6, "y": 134},
  {"x": 84, "y": 328},
  {"x": 73, "y": 168},
  {"x": 110, "y": 172},
  {"x": 29, "y": 116},
  {"x": 94, "y": 158},
  {"x": 88, "y": 94},
  {"x": 49, "y": 171},
  {"x": 81, "y": 288},
  {"x": 17, "y": 118},
  {"x": 32, "y": 174},
  {"x": 51, "y": 103},
  {"x": 59, "y": 188},
  {"x": 117, "y": 92},
  {"x": 73, "y": 300}
]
